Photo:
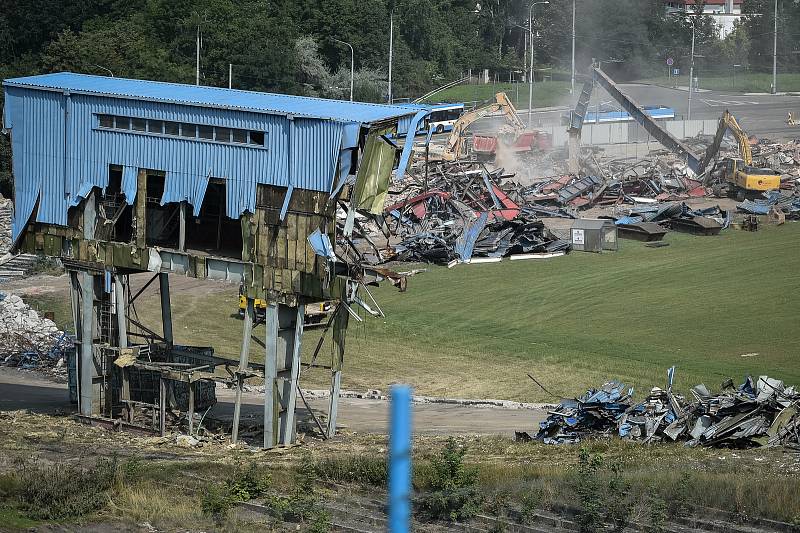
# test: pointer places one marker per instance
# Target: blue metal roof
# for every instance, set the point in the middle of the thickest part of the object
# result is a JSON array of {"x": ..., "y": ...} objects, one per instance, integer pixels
[{"x": 216, "y": 97}]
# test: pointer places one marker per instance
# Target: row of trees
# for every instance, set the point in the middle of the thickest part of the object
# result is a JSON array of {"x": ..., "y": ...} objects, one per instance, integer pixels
[{"x": 288, "y": 46}]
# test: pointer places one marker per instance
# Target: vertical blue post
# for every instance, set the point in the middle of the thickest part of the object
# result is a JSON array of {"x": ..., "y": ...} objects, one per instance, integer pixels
[{"x": 400, "y": 459}]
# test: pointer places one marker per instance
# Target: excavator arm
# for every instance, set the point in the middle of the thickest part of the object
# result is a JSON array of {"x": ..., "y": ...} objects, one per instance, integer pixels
[
  {"x": 728, "y": 122},
  {"x": 455, "y": 142}
]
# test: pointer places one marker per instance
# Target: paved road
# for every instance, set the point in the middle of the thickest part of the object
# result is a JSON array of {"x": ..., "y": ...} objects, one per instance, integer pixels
[
  {"x": 761, "y": 115},
  {"x": 28, "y": 390}
]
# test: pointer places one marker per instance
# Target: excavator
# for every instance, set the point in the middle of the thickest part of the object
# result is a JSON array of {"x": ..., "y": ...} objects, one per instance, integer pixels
[
  {"x": 455, "y": 147},
  {"x": 738, "y": 177}
]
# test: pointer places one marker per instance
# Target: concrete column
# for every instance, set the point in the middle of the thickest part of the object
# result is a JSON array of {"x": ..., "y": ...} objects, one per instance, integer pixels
[
  {"x": 120, "y": 299},
  {"x": 182, "y": 227},
  {"x": 87, "y": 369},
  {"x": 289, "y": 396},
  {"x": 333, "y": 408},
  {"x": 244, "y": 361},
  {"x": 270, "y": 374},
  {"x": 166, "y": 309}
]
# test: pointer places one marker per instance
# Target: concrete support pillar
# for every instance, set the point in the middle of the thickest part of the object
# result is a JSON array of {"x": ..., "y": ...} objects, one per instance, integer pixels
[
  {"x": 339, "y": 333},
  {"x": 244, "y": 361},
  {"x": 182, "y": 226},
  {"x": 86, "y": 335},
  {"x": 291, "y": 373},
  {"x": 270, "y": 374},
  {"x": 166, "y": 308},
  {"x": 120, "y": 300},
  {"x": 284, "y": 330}
]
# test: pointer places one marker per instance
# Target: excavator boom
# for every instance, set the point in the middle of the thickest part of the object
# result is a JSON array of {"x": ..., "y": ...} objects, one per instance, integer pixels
[{"x": 455, "y": 142}]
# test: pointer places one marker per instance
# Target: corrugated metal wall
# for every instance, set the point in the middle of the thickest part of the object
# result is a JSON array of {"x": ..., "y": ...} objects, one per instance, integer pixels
[{"x": 40, "y": 141}]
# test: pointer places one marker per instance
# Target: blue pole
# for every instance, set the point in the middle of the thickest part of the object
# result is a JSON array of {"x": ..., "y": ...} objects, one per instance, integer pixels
[{"x": 400, "y": 459}]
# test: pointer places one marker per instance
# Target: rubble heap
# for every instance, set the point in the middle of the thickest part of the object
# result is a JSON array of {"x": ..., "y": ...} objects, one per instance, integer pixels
[
  {"x": 27, "y": 339},
  {"x": 454, "y": 211},
  {"x": 5, "y": 225},
  {"x": 759, "y": 412}
]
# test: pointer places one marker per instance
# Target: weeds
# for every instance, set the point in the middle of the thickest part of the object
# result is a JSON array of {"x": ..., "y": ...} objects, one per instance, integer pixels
[
  {"x": 242, "y": 485},
  {"x": 54, "y": 492},
  {"x": 453, "y": 494},
  {"x": 302, "y": 504},
  {"x": 358, "y": 468},
  {"x": 603, "y": 494}
]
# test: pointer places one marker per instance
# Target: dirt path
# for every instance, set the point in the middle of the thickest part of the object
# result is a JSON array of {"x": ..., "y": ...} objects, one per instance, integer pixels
[{"x": 29, "y": 390}]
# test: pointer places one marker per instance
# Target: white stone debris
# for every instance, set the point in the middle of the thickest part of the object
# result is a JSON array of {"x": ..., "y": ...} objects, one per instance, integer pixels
[
  {"x": 6, "y": 207},
  {"x": 27, "y": 339}
]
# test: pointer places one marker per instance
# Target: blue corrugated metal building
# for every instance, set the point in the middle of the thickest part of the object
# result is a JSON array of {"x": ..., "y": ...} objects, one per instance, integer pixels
[{"x": 67, "y": 129}]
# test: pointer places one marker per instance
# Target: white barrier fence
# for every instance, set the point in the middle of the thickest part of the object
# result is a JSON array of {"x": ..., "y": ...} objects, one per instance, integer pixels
[{"x": 631, "y": 132}]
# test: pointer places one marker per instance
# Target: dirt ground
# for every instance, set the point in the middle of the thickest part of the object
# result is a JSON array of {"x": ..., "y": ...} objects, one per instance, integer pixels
[{"x": 39, "y": 394}]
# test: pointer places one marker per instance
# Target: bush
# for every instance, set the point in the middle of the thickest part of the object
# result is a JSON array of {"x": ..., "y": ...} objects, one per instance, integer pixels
[
  {"x": 242, "y": 485},
  {"x": 603, "y": 494},
  {"x": 302, "y": 505},
  {"x": 356, "y": 468},
  {"x": 61, "y": 491},
  {"x": 453, "y": 493}
]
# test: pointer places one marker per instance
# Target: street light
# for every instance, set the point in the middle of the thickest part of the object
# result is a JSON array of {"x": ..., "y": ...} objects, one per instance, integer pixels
[
  {"x": 352, "y": 64},
  {"x": 691, "y": 18},
  {"x": 572, "y": 79},
  {"x": 775, "y": 52},
  {"x": 530, "y": 39}
]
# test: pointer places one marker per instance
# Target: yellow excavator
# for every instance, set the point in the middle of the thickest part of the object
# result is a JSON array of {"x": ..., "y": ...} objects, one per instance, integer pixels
[
  {"x": 738, "y": 177},
  {"x": 315, "y": 313},
  {"x": 456, "y": 142}
]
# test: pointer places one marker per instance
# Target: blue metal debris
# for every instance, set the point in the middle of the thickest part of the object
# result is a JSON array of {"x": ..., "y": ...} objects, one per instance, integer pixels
[{"x": 758, "y": 412}]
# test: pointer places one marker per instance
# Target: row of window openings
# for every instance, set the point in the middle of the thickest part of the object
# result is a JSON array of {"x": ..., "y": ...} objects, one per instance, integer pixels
[{"x": 183, "y": 129}]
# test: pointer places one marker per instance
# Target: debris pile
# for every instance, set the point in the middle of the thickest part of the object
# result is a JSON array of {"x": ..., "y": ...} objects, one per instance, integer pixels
[
  {"x": 678, "y": 217},
  {"x": 783, "y": 204},
  {"x": 759, "y": 412},
  {"x": 5, "y": 225},
  {"x": 27, "y": 339},
  {"x": 457, "y": 211}
]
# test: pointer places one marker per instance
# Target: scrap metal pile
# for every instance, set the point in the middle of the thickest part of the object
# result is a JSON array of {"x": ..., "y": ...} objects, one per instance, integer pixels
[
  {"x": 459, "y": 210},
  {"x": 28, "y": 340},
  {"x": 759, "y": 412}
]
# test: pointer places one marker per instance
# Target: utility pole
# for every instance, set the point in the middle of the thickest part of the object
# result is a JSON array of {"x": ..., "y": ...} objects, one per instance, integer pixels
[
  {"x": 352, "y": 65},
  {"x": 691, "y": 74},
  {"x": 197, "y": 50},
  {"x": 391, "y": 44},
  {"x": 530, "y": 38},
  {"x": 230, "y": 75},
  {"x": 572, "y": 79},
  {"x": 775, "y": 52}
]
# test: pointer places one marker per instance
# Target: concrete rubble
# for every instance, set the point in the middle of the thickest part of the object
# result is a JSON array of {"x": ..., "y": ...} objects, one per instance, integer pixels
[
  {"x": 760, "y": 412},
  {"x": 27, "y": 339},
  {"x": 6, "y": 211}
]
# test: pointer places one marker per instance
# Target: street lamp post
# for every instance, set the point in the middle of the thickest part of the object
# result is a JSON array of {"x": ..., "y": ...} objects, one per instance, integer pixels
[
  {"x": 530, "y": 38},
  {"x": 691, "y": 75},
  {"x": 572, "y": 79},
  {"x": 391, "y": 46},
  {"x": 352, "y": 64},
  {"x": 775, "y": 52}
]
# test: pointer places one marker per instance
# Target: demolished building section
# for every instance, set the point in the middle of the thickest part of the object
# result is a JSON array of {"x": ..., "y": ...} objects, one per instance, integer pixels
[
  {"x": 759, "y": 412},
  {"x": 212, "y": 183}
]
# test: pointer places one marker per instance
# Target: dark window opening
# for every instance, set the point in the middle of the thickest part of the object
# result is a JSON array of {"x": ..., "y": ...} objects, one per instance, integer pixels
[
  {"x": 155, "y": 126},
  {"x": 161, "y": 221},
  {"x": 188, "y": 130},
  {"x": 239, "y": 136},
  {"x": 213, "y": 232},
  {"x": 106, "y": 121},
  {"x": 122, "y": 123},
  {"x": 171, "y": 128},
  {"x": 205, "y": 132},
  {"x": 138, "y": 124},
  {"x": 257, "y": 138},
  {"x": 223, "y": 134},
  {"x": 114, "y": 215}
]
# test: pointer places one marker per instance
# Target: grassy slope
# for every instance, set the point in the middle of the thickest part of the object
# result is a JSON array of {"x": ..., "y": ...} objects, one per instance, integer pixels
[
  {"x": 576, "y": 321},
  {"x": 573, "y": 322},
  {"x": 545, "y": 93}
]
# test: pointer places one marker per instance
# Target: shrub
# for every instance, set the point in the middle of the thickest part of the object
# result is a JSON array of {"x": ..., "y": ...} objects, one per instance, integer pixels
[
  {"x": 53, "y": 492},
  {"x": 453, "y": 494}
]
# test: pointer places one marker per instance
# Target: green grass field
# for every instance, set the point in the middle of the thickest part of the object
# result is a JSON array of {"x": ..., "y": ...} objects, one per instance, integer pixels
[
  {"x": 750, "y": 82},
  {"x": 701, "y": 304},
  {"x": 545, "y": 93}
]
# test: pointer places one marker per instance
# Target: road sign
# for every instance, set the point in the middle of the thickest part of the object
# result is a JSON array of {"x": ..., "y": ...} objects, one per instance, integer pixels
[
  {"x": 676, "y": 71},
  {"x": 670, "y": 61}
]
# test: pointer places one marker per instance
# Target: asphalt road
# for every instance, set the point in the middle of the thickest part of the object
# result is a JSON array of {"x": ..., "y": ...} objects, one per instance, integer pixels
[{"x": 761, "y": 115}]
